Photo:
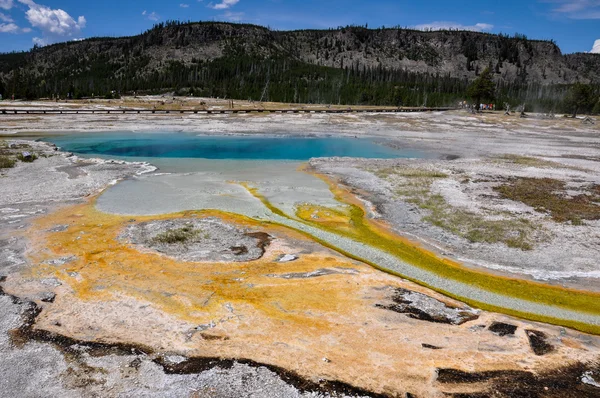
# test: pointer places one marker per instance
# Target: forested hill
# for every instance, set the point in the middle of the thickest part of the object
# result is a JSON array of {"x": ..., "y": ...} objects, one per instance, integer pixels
[{"x": 347, "y": 65}]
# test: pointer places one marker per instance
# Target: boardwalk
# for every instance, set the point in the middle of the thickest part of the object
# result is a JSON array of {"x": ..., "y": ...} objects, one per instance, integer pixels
[{"x": 50, "y": 111}]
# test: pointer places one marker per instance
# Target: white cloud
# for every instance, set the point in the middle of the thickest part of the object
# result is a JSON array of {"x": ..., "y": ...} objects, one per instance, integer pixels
[
  {"x": 443, "y": 25},
  {"x": 183, "y": 5},
  {"x": 5, "y": 18},
  {"x": 153, "y": 16},
  {"x": 40, "y": 41},
  {"x": 224, "y": 4},
  {"x": 55, "y": 24},
  {"x": 576, "y": 9},
  {"x": 232, "y": 16},
  {"x": 7, "y": 25},
  {"x": 6, "y": 4},
  {"x": 596, "y": 47},
  {"x": 9, "y": 28}
]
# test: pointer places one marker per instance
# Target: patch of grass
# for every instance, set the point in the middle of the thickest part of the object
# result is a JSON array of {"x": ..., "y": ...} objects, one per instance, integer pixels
[
  {"x": 408, "y": 173},
  {"x": 476, "y": 228},
  {"x": 549, "y": 196},
  {"x": 530, "y": 161},
  {"x": 20, "y": 146},
  {"x": 29, "y": 159},
  {"x": 4, "y": 150},
  {"x": 181, "y": 235},
  {"x": 415, "y": 188},
  {"x": 6, "y": 162}
]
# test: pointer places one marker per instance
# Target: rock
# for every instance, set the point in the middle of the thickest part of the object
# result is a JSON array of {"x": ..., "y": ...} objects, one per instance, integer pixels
[
  {"x": 135, "y": 364},
  {"x": 52, "y": 282},
  {"x": 286, "y": 258},
  {"x": 206, "y": 326},
  {"x": 60, "y": 261},
  {"x": 198, "y": 239},
  {"x": 315, "y": 274},
  {"x": 587, "y": 378},
  {"x": 174, "y": 359},
  {"x": 426, "y": 308},
  {"x": 477, "y": 328},
  {"x": 58, "y": 228},
  {"x": 48, "y": 297}
]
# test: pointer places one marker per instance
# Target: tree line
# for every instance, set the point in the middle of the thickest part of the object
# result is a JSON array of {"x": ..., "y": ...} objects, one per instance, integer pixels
[
  {"x": 281, "y": 79},
  {"x": 576, "y": 98}
]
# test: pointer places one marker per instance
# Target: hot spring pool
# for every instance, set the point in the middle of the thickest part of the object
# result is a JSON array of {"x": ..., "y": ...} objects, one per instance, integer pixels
[{"x": 185, "y": 145}]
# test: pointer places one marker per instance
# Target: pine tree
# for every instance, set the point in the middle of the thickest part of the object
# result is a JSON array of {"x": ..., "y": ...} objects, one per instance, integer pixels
[
  {"x": 580, "y": 98},
  {"x": 596, "y": 110},
  {"x": 482, "y": 88}
]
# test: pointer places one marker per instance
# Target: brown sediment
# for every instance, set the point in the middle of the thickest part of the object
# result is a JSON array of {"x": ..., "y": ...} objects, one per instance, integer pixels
[
  {"x": 502, "y": 329},
  {"x": 430, "y": 347},
  {"x": 72, "y": 349},
  {"x": 207, "y": 336},
  {"x": 27, "y": 332},
  {"x": 239, "y": 250},
  {"x": 263, "y": 239},
  {"x": 331, "y": 387},
  {"x": 562, "y": 382},
  {"x": 454, "y": 376},
  {"x": 538, "y": 343}
]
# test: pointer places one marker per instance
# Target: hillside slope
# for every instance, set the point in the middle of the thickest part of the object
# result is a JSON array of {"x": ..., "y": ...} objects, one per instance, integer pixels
[{"x": 178, "y": 55}]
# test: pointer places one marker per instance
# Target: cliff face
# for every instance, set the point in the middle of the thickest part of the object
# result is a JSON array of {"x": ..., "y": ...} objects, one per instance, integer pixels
[
  {"x": 457, "y": 54},
  {"x": 452, "y": 54}
]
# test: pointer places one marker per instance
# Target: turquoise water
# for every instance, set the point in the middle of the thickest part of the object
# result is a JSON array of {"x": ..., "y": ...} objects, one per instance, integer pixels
[{"x": 182, "y": 145}]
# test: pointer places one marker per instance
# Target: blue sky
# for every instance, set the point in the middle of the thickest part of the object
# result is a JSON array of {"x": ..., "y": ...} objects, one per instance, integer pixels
[{"x": 574, "y": 24}]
